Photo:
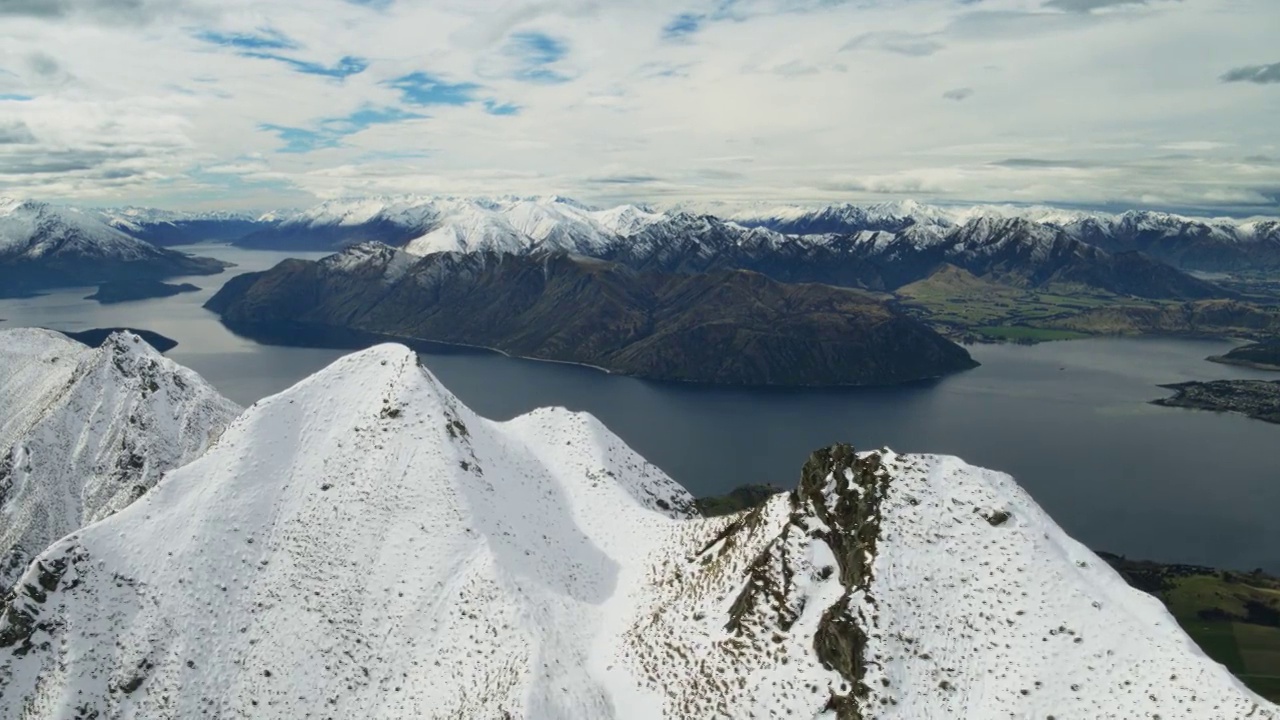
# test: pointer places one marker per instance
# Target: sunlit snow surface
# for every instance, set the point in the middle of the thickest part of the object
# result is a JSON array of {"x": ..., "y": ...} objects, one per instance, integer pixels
[
  {"x": 362, "y": 545},
  {"x": 31, "y": 230},
  {"x": 85, "y": 431}
]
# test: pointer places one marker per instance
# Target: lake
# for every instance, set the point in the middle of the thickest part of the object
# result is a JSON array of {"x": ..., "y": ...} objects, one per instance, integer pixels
[{"x": 1070, "y": 420}]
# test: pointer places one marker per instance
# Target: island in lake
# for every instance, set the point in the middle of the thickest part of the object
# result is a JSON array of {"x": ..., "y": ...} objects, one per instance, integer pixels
[
  {"x": 1259, "y": 399},
  {"x": 118, "y": 291},
  {"x": 1260, "y": 356}
]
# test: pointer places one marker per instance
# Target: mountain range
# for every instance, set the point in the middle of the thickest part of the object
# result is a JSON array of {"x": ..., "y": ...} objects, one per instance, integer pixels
[
  {"x": 363, "y": 545},
  {"x": 1190, "y": 243},
  {"x": 874, "y": 248},
  {"x": 43, "y": 246},
  {"x": 877, "y": 247},
  {"x": 725, "y": 327}
]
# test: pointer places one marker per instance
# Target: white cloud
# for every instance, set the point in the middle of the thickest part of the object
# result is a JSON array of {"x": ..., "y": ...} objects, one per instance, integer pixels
[{"x": 244, "y": 103}]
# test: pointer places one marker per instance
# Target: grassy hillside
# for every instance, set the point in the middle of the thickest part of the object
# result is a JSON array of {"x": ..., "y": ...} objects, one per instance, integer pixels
[{"x": 964, "y": 306}]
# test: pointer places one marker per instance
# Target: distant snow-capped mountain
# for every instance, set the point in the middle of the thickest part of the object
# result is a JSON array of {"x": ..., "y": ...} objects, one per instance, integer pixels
[
  {"x": 518, "y": 224},
  {"x": 86, "y": 431},
  {"x": 38, "y": 230},
  {"x": 878, "y": 247},
  {"x": 166, "y": 227},
  {"x": 363, "y": 545},
  {"x": 1192, "y": 243},
  {"x": 445, "y": 224},
  {"x": 44, "y": 245}
]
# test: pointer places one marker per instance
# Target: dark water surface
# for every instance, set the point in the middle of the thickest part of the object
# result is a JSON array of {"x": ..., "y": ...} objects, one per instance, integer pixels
[{"x": 1070, "y": 420}]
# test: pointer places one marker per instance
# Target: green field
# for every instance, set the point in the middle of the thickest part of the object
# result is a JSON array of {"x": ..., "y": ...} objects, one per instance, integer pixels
[
  {"x": 976, "y": 309},
  {"x": 962, "y": 305}
]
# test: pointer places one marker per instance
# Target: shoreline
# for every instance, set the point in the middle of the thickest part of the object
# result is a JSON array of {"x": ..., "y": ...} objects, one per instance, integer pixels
[{"x": 1224, "y": 360}]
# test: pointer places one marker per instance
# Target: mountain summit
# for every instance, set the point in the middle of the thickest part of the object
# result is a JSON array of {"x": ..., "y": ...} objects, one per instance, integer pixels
[
  {"x": 86, "y": 431},
  {"x": 363, "y": 545}
]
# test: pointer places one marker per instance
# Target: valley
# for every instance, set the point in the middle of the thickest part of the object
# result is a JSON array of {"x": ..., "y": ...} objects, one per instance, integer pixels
[{"x": 1233, "y": 616}]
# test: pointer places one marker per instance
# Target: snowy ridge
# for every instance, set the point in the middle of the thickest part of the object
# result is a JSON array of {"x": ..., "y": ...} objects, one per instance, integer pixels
[
  {"x": 388, "y": 262},
  {"x": 134, "y": 219},
  {"x": 880, "y": 246},
  {"x": 362, "y": 545},
  {"x": 504, "y": 224},
  {"x": 426, "y": 562},
  {"x": 523, "y": 226},
  {"x": 85, "y": 431},
  {"x": 754, "y": 233},
  {"x": 33, "y": 230},
  {"x": 910, "y": 212}
]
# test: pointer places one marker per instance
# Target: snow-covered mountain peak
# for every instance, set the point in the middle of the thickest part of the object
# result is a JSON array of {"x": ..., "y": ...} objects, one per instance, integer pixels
[
  {"x": 362, "y": 544},
  {"x": 9, "y": 204},
  {"x": 626, "y": 220},
  {"x": 88, "y": 430},
  {"x": 359, "y": 544},
  {"x": 35, "y": 230},
  {"x": 390, "y": 262}
]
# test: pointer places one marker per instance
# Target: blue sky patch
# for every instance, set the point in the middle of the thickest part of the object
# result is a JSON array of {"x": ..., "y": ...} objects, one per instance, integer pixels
[
  {"x": 346, "y": 66},
  {"x": 535, "y": 53},
  {"x": 420, "y": 88},
  {"x": 682, "y": 26},
  {"x": 365, "y": 118},
  {"x": 15, "y": 97},
  {"x": 264, "y": 39},
  {"x": 301, "y": 140},
  {"x": 329, "y": 132},
  {"x": 493, "y": 107}
]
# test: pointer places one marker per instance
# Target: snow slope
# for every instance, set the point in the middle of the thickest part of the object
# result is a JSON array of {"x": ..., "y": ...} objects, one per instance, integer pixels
[
  {"x": 33, "y": 230},
  {"x": 84, "y": 431},
  {"x": 133, "y": 219},
  {"x": 513, "y": 226},
  {"x": 362, "y": 545}
]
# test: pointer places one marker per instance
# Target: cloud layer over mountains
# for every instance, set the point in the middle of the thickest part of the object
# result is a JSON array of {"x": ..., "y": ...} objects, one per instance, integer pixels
[{"x": 196, "y": 104}]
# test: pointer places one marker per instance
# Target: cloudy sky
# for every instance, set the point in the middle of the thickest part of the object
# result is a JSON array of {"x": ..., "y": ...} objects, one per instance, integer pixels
[{"x": 239, "y": 103}]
